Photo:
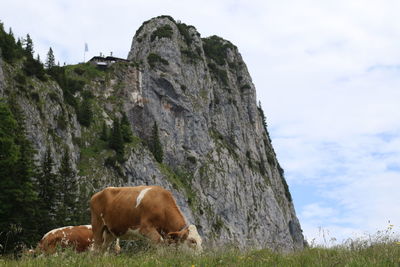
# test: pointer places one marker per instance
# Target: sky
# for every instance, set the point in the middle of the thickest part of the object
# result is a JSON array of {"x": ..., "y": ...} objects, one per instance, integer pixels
[{"x": 326, "y": 72}]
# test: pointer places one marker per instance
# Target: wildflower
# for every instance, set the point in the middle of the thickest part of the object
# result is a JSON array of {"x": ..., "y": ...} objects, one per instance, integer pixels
[{"x": 193, "y": 265}]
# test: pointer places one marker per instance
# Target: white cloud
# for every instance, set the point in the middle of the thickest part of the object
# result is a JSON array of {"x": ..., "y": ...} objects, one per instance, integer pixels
[
  {"x": 327, "y": 74},
  {"x": 316, "y": 210}
]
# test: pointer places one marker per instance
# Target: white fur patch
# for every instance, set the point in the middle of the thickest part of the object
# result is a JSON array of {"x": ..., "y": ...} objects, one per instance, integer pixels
[
  {"x": 141, "y": 196},
  {"x": 193, "y": 234},
  {"x": 54, "y": 231},
  {"x": 62, "y": 229}
]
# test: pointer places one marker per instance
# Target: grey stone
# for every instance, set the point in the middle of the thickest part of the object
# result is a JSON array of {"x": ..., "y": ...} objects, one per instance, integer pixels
[
  {"x": 218, "y": 158},
  {"x": 220, "y": 126}
]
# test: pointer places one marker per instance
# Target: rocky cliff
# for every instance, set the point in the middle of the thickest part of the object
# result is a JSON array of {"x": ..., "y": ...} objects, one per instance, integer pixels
[{"x": 218, "y": 158}]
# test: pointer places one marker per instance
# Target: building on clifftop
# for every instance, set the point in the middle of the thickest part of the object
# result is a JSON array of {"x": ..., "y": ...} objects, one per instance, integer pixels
[{"x": 104, "y": 62}]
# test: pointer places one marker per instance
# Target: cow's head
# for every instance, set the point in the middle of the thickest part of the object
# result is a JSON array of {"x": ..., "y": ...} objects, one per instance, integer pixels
[{"x": 188, "y": 237}]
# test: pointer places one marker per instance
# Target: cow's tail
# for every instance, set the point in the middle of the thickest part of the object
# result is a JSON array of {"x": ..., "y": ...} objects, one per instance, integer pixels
[
  {"x": 108, "y": 238},
  {"x": 105, "y": 232}
]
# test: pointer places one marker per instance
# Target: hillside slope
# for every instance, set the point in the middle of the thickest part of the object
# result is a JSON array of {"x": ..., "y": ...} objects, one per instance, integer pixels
[{"x": 217, "y": 155}]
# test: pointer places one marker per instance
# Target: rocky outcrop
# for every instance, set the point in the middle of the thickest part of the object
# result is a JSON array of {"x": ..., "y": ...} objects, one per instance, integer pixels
[
  {"x": 202, "y": 97},
  {"x": 218, "y": 158}
]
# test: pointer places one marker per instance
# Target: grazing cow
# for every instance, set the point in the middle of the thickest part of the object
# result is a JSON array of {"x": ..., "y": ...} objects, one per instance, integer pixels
[
  {"x": 129, "y": 212},
  {"x": 78, "y": 237}
]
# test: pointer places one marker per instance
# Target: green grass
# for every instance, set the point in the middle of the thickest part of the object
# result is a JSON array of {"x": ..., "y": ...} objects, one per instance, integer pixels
[
  {"x": 376, "y": 255},
  {"x": 84, "y": 71},
  {"x": 180, "y": 180},
  {"x": 95, "y": 153},
  {"x": 380, "y": 249}
]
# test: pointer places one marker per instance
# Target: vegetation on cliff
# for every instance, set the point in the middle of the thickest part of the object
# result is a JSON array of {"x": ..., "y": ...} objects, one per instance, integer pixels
[
  {"x": 35, "y": 197},
  {"x": 38, "y": 196},
  {"x": 109, "y": 127}
]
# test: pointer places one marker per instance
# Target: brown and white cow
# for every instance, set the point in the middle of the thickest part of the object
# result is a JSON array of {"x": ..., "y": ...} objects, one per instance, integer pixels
[
  {"x": 77, "y": 237},
  {"x": 150, "y": 211}
]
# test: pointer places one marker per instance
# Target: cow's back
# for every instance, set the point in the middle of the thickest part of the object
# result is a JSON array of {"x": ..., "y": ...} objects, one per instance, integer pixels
[
  {"x": 122, "y": 208},
  {"x": 112, "y": 198}
]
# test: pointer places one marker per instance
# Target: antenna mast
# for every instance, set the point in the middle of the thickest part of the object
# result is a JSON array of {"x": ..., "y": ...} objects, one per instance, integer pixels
[{"x": 84, "y": 53}]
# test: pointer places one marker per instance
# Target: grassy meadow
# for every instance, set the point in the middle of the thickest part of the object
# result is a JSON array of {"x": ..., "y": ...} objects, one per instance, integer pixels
[
  {"x": 380, "y": 249},
  {"x": 376, "y": 255},
  {"x": 379, "y": 255}
]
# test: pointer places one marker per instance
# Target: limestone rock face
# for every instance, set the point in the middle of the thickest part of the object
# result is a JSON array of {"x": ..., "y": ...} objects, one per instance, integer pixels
[
  {"x": 49, "y": 122},
  {"x": 202, "y": 97},
  {"x": 218, "y": 158}
]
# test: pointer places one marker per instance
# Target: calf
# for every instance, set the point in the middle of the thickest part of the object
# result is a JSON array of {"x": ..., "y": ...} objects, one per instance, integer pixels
[
  {"x": 77, "y": 237},
  {"x": 150, "y": 211}
]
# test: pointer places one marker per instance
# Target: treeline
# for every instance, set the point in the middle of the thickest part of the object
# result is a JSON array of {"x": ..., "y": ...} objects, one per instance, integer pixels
[
  {"x": 116, "y": 137},
  {"x": 21, "y": 49},
  {"x": 35, "y": 198},
  {"x": 121, "y": 133}
]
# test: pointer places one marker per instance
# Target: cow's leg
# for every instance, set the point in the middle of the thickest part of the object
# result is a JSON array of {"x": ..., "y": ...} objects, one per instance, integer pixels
[
  {"x": 98, "y": 240},
  {"x": 108, "y": 238},
  {"x": 97, "y": 228},
  {"x": 152, "y": 234}
]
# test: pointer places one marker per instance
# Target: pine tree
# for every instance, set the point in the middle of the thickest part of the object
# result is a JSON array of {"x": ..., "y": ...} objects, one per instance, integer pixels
[
  {"x": 85, "y": 112},
  {"x": 9, "y": 155},
  {"x": 26, "y": 176},
  {"x": 155, "y": 144},
  {"x": 33, "y": 67},
  {"x": 104, "y": 132},
  {"x": 47, "y": 182},
  {"x": 50, "y": 61},
  {"x": 18, "y": 198},
  {"x": 116, "y": 140},
  {"x": 126, "y": 129},
  {"x": 264, "y": 120},
  {"x": 28, "y": 46},
  {"x": 67, "y": 192},
  {"x": 83, "y": 214},
  {"x": 19, "y": 43},
  {"x": 7, "y": 45},
  {"x": 20, "y": 49}
]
